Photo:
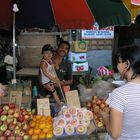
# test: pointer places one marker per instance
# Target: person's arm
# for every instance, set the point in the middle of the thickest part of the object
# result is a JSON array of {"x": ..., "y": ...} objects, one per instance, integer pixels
[
  {"x": 44, "y": 69},
  {"x": 113, "y": 123}
]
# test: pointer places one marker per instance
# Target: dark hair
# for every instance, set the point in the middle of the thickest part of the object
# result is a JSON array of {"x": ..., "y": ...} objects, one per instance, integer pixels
[
  {"x": 132, "y": 54},
  {"x": 64, "y": 42},
  {"x": 47, "y": 47}
]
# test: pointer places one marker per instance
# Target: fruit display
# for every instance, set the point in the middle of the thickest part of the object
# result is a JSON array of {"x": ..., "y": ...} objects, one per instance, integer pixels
[
  {"x": 96, "y": 105},
  {"x": 71, "y": 121},
  {"x": 40, "y": 127},
  {"x": 14, "y": 122}
]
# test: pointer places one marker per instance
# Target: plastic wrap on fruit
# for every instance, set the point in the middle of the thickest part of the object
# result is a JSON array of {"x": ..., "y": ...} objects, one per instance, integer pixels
[
  {"x": 69, "y": 129},
  {"x": 74, "y": 122},
  {"x": 58, "y": 131},
  {"x": 73, "y": 111},
  {"x": 81, "y": 129}
]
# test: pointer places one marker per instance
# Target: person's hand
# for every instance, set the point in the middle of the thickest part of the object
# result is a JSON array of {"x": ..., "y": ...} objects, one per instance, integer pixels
[
  {"x": 105, "y": 114},
  {"x": 55, "y": 80}
]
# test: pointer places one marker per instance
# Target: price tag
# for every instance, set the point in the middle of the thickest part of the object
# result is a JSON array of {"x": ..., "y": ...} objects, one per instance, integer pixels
[
  {"x": 43, "y": 107},
  {"x": 72, "y": 98}
]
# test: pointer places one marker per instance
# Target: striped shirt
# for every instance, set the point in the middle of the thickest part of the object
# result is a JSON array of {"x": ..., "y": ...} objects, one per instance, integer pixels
[{"x": 126, "y": 99}]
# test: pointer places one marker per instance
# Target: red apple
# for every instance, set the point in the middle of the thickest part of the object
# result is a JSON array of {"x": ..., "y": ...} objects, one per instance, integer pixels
[
  {"x": 19, "y": 138},
  {"x": 11, "y": 126},
  {"x": 5, "y": 112},
  {"x": 102, "y": 105},
  {"x": 21, "y": 118},
  {"x": 1, "y": 109},
  {"x": 24, "y": 112},
  {"x": 12, "y": 105},
  {"x": 11, "y": 138},
  {"x": 7, "y": 133},
  {"x": 98, "y": 102},
  {"x": 3, "y": 138}
]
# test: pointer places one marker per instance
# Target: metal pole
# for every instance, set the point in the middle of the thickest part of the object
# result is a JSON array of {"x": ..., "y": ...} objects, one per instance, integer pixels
[{"x": 14, "y": 54}]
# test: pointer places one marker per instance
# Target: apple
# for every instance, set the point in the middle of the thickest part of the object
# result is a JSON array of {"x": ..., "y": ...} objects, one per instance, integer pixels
[
  {"x": 3, "y": 127},
  {"x": 6, "y": 107},
  {"x": 1, "y": 109},
  {"x": 15, "y": 121},
  {"x": 5, "y": 112},
  {"x": 11, "y": 126},
  {"x": 33, "y": 111},
  {"x": 7, "y": 133},
  {"x": 26, "y": 117},
  {"x": 12, "y": 106},
  {"x": 11, "y": 138},
  {"x": 100, "y": 124},
  {"x": 11, "y": 111},
  {"x": 20, "y": 118},
  {"x": 24, "y": 126},
  {"x": 3, "y": 118},
  {"x": 26, "y": 137},
  {"x": 24, "y": 112},
  {"x": 98, "y": 102},
  {"x": 16, "y": 114},
  {"x": 3, "y": 138},
  {"x": 102, "y": 105},
  {"x": 19, "y": 138}
]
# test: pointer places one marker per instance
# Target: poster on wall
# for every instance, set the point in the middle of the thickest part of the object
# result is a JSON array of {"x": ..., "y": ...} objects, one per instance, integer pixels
[
  {"x": 96, "y": 33},
  {"x": 135, "y": 2}
]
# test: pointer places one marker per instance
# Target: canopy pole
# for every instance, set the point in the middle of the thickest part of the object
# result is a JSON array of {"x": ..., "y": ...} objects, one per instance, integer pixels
[{"x": 15, "y": 9}]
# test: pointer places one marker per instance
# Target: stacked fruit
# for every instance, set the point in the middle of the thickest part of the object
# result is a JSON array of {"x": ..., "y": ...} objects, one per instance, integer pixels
[
  {"x": 14, "y": 122},
  {"x": 96, "y": 105},
  {"x": 40, "y": 127}
]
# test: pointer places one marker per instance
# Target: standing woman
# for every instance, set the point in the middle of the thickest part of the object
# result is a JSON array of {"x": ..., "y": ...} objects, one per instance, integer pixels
[{"x": 123, "y": 121}]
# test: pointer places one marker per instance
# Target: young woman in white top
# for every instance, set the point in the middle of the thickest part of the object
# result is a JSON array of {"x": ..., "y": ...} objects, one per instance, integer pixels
[{"x": 123, "y": 121}]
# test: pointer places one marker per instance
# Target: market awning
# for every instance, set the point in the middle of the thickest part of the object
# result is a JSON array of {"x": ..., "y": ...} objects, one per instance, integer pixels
[
  {"x": 69, "y": 14},
  {"x": 5, "y": 14}
]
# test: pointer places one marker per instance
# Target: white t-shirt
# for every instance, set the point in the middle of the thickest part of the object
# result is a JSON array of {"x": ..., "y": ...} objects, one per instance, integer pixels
[
  {"x": 9, "y": 60},
  {"x": 44, "y": 78},
  {"x": 126, "y": 99}
]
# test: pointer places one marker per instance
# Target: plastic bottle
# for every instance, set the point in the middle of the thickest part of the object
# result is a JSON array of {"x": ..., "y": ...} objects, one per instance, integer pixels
[{"x": 35, "y": 91}]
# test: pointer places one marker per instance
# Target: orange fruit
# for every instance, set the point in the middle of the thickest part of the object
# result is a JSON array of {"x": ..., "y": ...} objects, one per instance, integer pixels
[
  {"x": 37, "y": 131},
  {"x": 42, "y": 125},
  {"x": 32, "y": 124},
  {"x": 42, "y": 135},
  {"x": 45, "y": 130},
  {"x": 49, "y": 135},
  {"x": 30, "y": 131},
  {"x": 34, "y": 137}
]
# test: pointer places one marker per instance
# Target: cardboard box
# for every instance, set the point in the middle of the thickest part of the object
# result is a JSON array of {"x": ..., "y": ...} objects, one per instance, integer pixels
[
  {"x": 80, "y": 67},
  {"x": 77, "y": 57},
  {"x": 79, "y": 46}
]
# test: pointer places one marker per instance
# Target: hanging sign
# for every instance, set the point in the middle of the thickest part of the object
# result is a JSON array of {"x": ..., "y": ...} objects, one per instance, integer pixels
[
  {"x": 135, "y": 2},
  {"x": 96, "y": 33}
]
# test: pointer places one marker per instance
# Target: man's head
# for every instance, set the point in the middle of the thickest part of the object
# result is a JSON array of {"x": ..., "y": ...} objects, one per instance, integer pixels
[{"x": 63, "y": 48}]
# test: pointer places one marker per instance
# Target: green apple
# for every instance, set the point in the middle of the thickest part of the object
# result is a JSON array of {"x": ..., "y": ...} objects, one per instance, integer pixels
[
  {"x": 3, "y": 127},
  {"x": 3, "y": 118}
]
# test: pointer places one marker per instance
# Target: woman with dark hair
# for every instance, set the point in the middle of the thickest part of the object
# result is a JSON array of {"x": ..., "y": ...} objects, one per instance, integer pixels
[{"x": 123, "y": 120}]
